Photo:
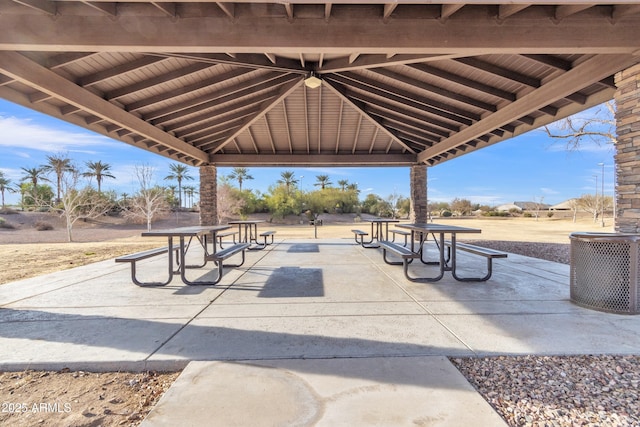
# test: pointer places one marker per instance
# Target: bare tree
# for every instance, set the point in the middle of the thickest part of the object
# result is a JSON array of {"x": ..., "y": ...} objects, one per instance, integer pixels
[
  {"x": 537, "y": 203},
  {"x": 589, "y": 203},
  {"x": 227, "y": 202},
  {"x": 599, "y": 128},
  {"x": 77, "y": 203},
  {"x": 149, "y": 203},
  {"x": 574, "y": 205}
]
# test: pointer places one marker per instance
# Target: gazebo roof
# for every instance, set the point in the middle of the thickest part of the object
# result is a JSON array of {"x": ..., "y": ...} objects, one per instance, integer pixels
[{"x": 402, "y": 82}]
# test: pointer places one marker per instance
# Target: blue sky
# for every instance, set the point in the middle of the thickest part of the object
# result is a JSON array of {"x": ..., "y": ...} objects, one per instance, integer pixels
[{"x": 528, "y": 167}]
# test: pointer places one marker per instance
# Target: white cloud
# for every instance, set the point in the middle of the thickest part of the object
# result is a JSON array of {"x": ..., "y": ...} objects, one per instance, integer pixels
[
  {"x": 549, "y": 191},
  {"x": 20, "y": 134}
]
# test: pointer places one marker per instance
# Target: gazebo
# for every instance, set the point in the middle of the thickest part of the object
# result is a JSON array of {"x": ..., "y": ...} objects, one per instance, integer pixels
[{"x": 264, "y": 83}]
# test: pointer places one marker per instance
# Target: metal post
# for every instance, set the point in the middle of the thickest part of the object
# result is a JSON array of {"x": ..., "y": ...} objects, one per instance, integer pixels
[
  {"x": 595, "y": 215},
  {"x": 602, "y": 192}
]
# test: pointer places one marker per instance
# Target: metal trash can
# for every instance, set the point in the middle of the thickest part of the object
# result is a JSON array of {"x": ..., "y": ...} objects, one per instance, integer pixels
[{"x": 604, "y": 271}]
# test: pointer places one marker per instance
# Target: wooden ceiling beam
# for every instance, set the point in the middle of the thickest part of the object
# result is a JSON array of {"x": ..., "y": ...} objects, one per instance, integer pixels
[
  {"x": 403, "y": 98},
  {"x": 28, "y": 72},
  {"x": 339, "y": 92},
  {"x": 266, "y": 107},
  {"x": 463, "y": 81},
  {"x": 45, "y": 6},
  {"x": 156, "y": 81},
  {"x": 592, "y": 70},
  {"x": 303, "y": 159},
  {"x": 251, "y": 34}
]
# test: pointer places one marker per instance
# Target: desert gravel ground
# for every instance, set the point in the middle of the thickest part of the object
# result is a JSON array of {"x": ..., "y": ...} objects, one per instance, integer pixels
[{"x": 526, "y": 391}]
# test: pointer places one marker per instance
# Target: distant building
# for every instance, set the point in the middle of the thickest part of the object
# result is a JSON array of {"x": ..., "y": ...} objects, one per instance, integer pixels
[
  {"x": 523, "y": 206},
  {"x": 567, "y": 205}
]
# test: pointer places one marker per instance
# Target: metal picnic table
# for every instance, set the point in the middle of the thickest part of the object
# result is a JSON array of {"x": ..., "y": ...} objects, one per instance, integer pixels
[
  {"x": 199, "y": 232},
  {"x": 422, "y": 230},
  {"x": 379, "y": 230},
  {"x": 248, "y": 231}
]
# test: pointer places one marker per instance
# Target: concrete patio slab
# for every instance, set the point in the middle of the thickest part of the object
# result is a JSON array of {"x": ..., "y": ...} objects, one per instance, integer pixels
[
  {"x": 325, "y": 324},
  {"x": 405, "y": 391}
]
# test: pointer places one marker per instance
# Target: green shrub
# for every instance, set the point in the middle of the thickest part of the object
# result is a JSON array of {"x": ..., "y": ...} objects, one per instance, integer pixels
[
  {"x": 6, "y": 225},
  {"x": 527, "y": 215},
  {"x": 549, "y": 214},
  {"x": 446, "y": 214}
]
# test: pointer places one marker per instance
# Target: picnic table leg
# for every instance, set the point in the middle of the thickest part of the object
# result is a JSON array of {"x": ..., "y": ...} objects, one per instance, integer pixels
[
  {"x": 442, "y": 264},
  {"x": 183, "y": 251},
  {"x": 204, "y": 258}
]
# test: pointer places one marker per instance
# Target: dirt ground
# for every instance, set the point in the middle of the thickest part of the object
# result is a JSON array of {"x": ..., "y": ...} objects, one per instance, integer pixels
[{"x": 118, "y": 398}]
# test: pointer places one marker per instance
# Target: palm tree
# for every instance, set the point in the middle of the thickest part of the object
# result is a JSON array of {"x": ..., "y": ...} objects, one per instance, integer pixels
[
  {"x": 5, "y": 185},
  {"x": 240, "y": 174},
  {"x": 323, "y": 181},
  {"x": 189, "y": 191},
  {"x": 34, "y": 175},
  {"x": 98, "y": 170},
  {"x": 58, "y": 165},
  {"x": 287, "y": 179},
  {"x": 353, "y": 187},
  {"x": 343, "y": 184},
  {"x": 179, "y": 172}
]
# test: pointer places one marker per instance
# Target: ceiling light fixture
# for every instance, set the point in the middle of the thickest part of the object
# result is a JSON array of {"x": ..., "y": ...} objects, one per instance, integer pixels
[{"x": 312, "y": 81}]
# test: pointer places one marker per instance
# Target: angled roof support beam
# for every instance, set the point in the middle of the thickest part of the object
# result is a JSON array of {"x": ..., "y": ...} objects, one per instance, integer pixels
[
  {"x": 592, "y": 70},
  {"x": 507, "y": 10},
  {"x": 364, "y": 62},
  {"x": 449, "y": 9},
  {"x": 44, "y": 6},
  {"x": 358, "y": 108},
  {"x": 266, "y": 107},
  {"x": 568, "y": 10},
  {"x": 28, "y": 72},
  {"x": 169, "y": 9},
  {"x": 227, "y": 8}
]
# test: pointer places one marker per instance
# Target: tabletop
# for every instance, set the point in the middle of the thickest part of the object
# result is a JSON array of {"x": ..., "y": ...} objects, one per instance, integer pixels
[
  {"x": 439, "y": 228},
  {"x": 197, "y": 230},
  {"x": 247, "y": 221}
]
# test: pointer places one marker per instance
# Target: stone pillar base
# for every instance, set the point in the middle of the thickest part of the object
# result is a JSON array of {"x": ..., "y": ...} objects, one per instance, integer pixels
[
  {"x": 208, "y": 195},
  {"x": 418, "y": 177},
  {"x": 627, "y": 156}
]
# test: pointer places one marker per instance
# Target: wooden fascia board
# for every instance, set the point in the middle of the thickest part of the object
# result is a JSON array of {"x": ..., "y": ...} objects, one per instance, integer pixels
[
  {"x": 28, "y": 72},
  {"x": 302, "y": 160},
  {"x": 480, "y": 35},
  {"x": 582, "y": 75}
]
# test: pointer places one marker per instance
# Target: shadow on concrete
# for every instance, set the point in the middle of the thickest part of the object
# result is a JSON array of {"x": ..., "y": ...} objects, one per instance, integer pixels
[{"x": 293, "y": 282}]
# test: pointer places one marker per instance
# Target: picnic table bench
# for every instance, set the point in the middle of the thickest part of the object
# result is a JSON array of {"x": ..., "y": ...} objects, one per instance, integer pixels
[
  {"x": 224, "y": 234},
  {"x": 489, "y": 254},
  {"x": 266, "y": 234},
  {"x": 139, "y": 256},
  {"x": 404, "y": 233},
  {"x": 220, "y": 256},
  {"x": 361, "y": 234}
]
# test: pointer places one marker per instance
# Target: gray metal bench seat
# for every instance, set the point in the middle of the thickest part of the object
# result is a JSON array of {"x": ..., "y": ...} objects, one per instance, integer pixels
[
  {"x": 220, "y": 256},
  {"x": 266, "y": 234},
  {"x": 224, "y": 234},
  {"x": 489, "y": 254},
  {"x": 139, "y": 256},
  {"x": 360, "y": 234},
  {"x": 404, "y": 233}
]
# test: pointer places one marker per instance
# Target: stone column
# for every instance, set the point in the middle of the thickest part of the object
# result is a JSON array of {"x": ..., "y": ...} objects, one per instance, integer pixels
[
  {"x": 627, "y": 157},
  {"x": 418, "y": 177},
  {"x": 208, "y": 195}
]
